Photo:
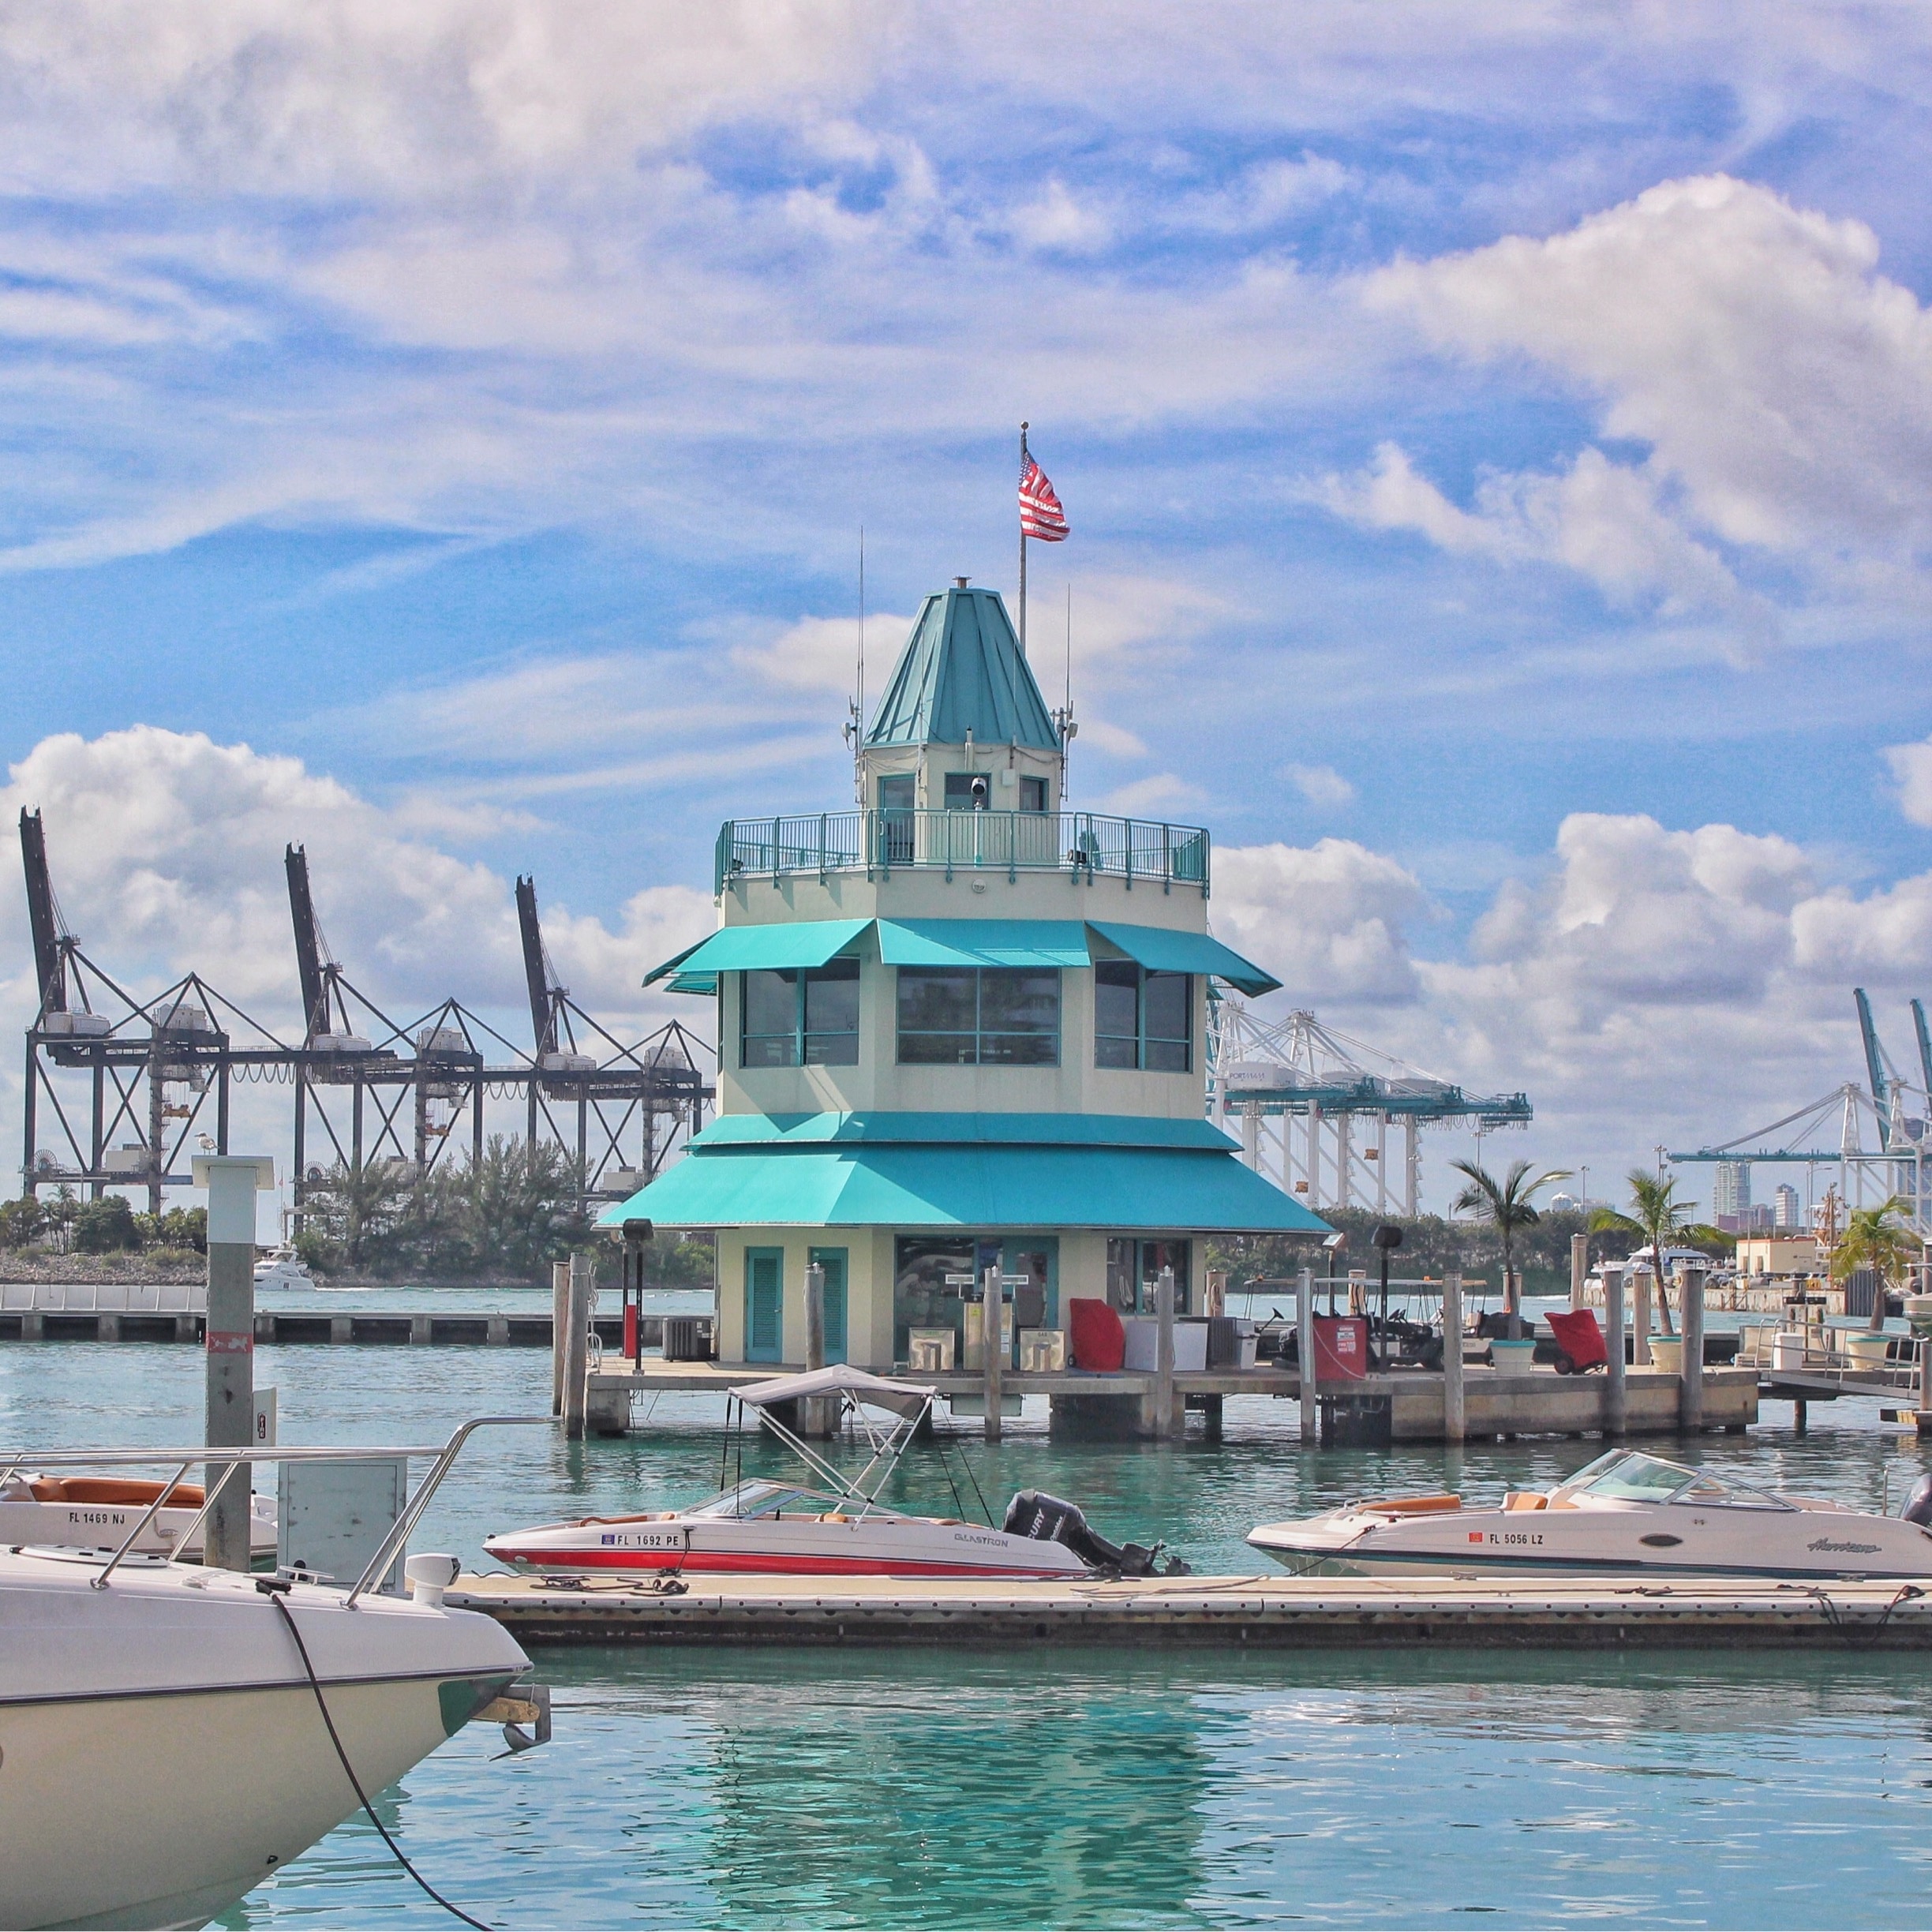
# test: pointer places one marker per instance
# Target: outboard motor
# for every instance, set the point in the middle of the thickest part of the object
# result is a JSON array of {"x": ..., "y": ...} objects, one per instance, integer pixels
[
  {"x": 1044, "y": 1519},
  {"x": 1918, "y": 1504}
]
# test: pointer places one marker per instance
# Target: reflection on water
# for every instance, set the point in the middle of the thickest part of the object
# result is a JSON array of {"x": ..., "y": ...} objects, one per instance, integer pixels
[
  {"x": 754, "y": 1789},
  {"x": 940, "y": 1787}
]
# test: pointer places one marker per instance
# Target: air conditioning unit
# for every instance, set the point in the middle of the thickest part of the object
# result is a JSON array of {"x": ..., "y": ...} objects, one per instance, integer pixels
[
  {"x": 441, "y": 1040},
  {"x": 568, "y": 1063},
  {"x": 77, "y": 1025},
  {"x": 340, "y": 1044},
  {"x": 181, "y": 1019}
]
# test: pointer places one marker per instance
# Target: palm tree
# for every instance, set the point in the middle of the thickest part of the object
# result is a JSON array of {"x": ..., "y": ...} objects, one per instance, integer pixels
[
  {"x": 1656, "y": 1214},
  {"x": 1873, "y": 1240},
  {"x": 1507, "y": 1204}
]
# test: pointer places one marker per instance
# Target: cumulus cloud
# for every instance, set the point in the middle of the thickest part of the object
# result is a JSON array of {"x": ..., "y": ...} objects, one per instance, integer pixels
[
  {"x": 167, "y": 850},
  {"x": 1321, "y": 785},
  {"x": 821, "y": 653},
  {"x": 1911, "y": 770},
  {"x": 1329, "y": 920}
]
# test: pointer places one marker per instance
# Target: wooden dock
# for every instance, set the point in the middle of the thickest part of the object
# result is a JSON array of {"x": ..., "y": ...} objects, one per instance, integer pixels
[
  {"x": 1496, "y": 1404},
  {"x": 1272, "y": 1611},
  {"x": 342, "y": 1326}
]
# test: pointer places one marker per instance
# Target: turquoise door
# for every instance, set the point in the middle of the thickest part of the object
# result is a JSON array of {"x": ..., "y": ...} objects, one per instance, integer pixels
[
  {"x": 833, "y": 1261},
  {"x": 765, "y": 1304}
]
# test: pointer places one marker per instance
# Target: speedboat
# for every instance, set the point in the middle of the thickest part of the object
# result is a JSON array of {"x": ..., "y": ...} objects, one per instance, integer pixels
[
  {"x": 99, "y": 1512},
  {"x": 1626, "y": 1514},
  {"x": 760, "y": 1527},
  {"x": 161, "y": 1727}
]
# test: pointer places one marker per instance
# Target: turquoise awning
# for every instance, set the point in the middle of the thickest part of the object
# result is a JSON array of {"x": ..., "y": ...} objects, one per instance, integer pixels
[
  {"x": 762, "y": 949},
  {"x": 1138, "y": 1189},
  {"x": 982, "y": 943},
  {"x": 1161, "y": 950},
  {"x": 1190, "y": 1133}
]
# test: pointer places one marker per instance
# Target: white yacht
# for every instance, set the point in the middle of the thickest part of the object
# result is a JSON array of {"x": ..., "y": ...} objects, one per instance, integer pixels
[
  {"x": 282, "y": 1268},
  {"x": 1626, "y": 1514},
  {"x": 163, "y": 1749}
]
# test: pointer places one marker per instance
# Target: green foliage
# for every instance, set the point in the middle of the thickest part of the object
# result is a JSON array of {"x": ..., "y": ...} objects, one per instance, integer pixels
[
  {"x": 512, "y": 1213},
  {"x": 182, "y": 1228},
  {"x": 1874, "y": 1238},
  {"x": 670, "y": 1263},
  {"x": 1508, "y": 1205},
  {"x": 1659, "y": 1220},
  {"x": 105, "y": 1226},
  {"x": 21, "y": 1221}
]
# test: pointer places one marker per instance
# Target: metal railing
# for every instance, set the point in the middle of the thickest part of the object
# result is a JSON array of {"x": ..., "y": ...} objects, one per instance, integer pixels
[
  {"x": 441, "y": 1455},
  {"x": 1132, "y": 849}
]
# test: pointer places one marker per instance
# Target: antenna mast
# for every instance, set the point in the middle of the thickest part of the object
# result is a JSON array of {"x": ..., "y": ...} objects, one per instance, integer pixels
[{"x": 855, "y": 721}]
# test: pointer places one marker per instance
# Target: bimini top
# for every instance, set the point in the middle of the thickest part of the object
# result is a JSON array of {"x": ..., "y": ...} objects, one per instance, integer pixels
[
  {"x": 808, "y": 943},
  {"x": 961, "y": 671},
  {"x": 901, "y": 1398}
]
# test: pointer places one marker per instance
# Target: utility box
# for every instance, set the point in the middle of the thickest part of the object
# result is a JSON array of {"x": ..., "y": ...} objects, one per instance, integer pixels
[
  {"x": 333, "y": 1516},
  {"x": 1341, "y": 1348}
]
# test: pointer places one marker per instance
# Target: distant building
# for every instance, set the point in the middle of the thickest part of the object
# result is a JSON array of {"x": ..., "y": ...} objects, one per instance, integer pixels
[
  {"x": 1778, "y": 1254},
  {"x": 1564, "y": 1203},
  {"x": 1730, "y": 1192},
  {"x": 1787, "y": 1211}
]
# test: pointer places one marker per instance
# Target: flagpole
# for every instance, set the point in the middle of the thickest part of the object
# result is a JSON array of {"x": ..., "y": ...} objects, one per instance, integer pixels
[{"x": 1023, "y": 463}]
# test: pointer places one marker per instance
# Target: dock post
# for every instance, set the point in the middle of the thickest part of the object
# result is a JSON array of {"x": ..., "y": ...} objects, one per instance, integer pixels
[
  {"x": 993, "y": 1334},
  {"x": 231, "y": 1181},
  {"x": 1690, "y": 1310},
  {"x": 580, "y": 1292},
  {"x": 1640, "y": 1318},
  {"x": 559, "y": 1325},
  {"x": 1164, "y": 1356},
  {"x": 1304, "y": 1357},
  {"x": 1579, "y": 1269},
  {"x": 815, "y": 1409},
  {"x": 1616, "y": 1396},
  {"x": 1453, "y": 1412}
]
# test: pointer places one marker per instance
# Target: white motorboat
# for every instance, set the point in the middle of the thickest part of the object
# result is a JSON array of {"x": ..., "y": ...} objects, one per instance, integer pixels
[
  {"x": 768, "y": 1528},
  {"x": 1625, "y": 1514},
  {"x": 163, "y": 1749},
  {"x": 99, "y": 1512},
  {"x": 282, "y": 1268}
]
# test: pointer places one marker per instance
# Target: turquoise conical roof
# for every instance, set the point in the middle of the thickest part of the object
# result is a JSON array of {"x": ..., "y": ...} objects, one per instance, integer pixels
[{"x": 962, "y": 670}]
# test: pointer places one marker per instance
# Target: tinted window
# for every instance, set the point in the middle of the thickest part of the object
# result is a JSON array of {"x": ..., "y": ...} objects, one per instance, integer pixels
[
  {"x": 962, "y": 1016},
  {"x": 770, "y": 1019}
]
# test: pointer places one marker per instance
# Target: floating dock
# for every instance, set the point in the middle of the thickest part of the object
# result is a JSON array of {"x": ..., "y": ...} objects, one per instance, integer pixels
[{"x": 1273, "y": 1611}]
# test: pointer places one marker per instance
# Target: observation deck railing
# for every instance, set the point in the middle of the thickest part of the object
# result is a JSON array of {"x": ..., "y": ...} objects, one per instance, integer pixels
[{"x": 878, "y": 843}]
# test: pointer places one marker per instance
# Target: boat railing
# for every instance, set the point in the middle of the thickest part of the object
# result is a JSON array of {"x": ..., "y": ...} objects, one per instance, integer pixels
[
  {"x": 1089, "y": 844},
  {"x": 227, "y": 1462}
]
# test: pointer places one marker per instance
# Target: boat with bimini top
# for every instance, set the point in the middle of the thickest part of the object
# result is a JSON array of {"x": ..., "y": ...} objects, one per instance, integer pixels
[
  {"x": 1626, "y": 1513},
  {"x": 758, "y": 1526}
]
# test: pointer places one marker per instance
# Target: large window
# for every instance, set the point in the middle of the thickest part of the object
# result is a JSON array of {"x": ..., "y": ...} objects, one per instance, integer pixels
[
  {"x": 800, "y": 1018},
  {"x": 979, "y": 1017},
  {"x": 1142, "y": 1019}
]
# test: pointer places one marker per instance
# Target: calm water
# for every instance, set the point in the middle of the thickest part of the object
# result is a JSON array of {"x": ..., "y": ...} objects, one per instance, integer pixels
[{"x": 1103, "y": 1788}]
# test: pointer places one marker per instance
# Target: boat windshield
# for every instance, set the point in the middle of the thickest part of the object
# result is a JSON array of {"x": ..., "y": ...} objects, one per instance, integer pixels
[
  {"x": 763, "y": 1499},
  {"x": 1626, "y": 1476}
]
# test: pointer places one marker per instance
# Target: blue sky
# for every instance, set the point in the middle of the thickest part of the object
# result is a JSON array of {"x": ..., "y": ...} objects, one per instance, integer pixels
[{"x": 1495, "y": 439}]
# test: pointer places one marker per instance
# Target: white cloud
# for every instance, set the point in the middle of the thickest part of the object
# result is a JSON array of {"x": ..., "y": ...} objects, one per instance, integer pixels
[
  {"x": 1778, "y": 379},
  {"x": 1115, "y": 740},
  {"x": 1321, "y": 785},
  {"x": 821, "y": 653},
  {"x": 1055, "y": 223},
  {"x": 1601, "y": 519},
  {"x": 166, "y": 852},
  {"x": 1160, "y": 791},
  {"x": 1912, "y": 769},
  {"x": 1329, "y": 920}
]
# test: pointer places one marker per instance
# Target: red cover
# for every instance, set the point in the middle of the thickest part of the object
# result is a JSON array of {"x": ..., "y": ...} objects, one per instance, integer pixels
[
  {"x": 1341, "y": 1348},
  {"x": 1094, "y": 1332},
  {"x": 1579, "y": 1338}
]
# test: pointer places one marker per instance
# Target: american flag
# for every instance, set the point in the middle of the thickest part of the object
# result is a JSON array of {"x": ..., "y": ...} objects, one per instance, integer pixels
[{"x": 1040, "y": 514}]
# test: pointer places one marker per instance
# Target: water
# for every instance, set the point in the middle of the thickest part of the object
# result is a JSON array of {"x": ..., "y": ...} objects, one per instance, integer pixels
[{"x": 759, "y": 1788}]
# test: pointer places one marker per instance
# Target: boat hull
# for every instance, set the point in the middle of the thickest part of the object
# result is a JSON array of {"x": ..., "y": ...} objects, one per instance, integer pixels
[
  {"x": 105, "y": 1526},
  {"x": 712, "y": 1547},
  {"x": 1802, "y": 1545},
  {"x": 161, "y": 1750}
]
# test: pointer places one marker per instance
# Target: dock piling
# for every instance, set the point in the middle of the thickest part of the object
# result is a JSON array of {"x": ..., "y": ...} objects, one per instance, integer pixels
[
  {"x": 1164, "y": 1356},
  {"x": 993, "y": 1347},
  {"x": 1579, "y": 1269},
  {"x": 1304, "y": 1357},
  {"x": 560, "y": 1322},
  {"x": 580, "y": 1291},
  {"x": 231, "y": 1181},
  {"x": 1640, "y": 1317},
  {"x": 1453, "y": 1411},
  {"x": 1690, "y": 1306},
  {"x": 1616, "y": 1396},
  {"x": 817, "y": 1414}
]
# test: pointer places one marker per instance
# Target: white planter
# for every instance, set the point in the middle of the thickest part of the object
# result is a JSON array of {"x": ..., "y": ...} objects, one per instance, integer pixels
[
  {"x": 1667, "y": 1353},
  {"x": 1868, "y": 1351},
  {"x": 1513, "y": 1358}
]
